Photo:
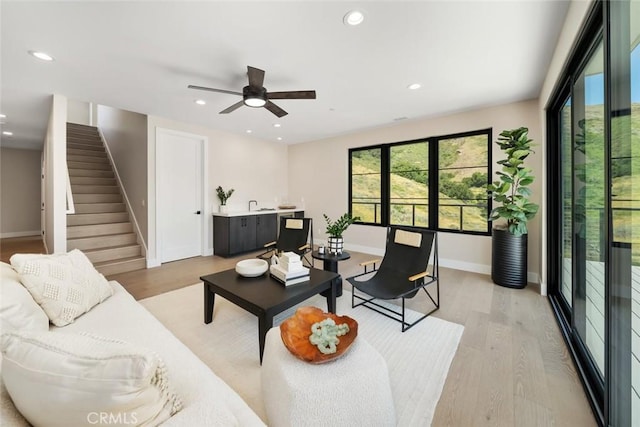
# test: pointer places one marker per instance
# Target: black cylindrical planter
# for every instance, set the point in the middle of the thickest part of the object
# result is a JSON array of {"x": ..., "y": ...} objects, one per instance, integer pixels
[{"x": 509, "y": 259}]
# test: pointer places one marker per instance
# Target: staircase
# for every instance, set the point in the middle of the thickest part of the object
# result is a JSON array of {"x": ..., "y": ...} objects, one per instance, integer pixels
[{"x": 100, "y": 226}]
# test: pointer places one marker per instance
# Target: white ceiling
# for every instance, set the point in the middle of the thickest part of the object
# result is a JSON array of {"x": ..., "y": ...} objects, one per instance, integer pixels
[{"x": 140, "y": 56}]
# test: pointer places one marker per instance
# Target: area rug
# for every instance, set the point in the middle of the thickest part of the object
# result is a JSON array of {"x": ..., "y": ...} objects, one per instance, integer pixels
[{"x": 418, "y": 360}]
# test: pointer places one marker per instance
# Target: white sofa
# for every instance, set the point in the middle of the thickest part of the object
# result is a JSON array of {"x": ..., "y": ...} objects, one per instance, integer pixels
[{"x": 207, "y": 400}]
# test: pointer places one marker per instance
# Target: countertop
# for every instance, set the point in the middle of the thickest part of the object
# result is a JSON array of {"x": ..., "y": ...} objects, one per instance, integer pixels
[{"x": 257, "y": 212}]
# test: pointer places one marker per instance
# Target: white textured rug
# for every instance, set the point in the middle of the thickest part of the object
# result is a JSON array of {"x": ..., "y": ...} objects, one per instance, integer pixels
[{"x": 418, "y": 360}]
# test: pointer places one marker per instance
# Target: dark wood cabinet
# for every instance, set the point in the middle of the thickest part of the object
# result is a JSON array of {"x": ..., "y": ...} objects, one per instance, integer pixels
[
  {"x": 238, "y": 234},
  {"x": 266, "y": 229},
  {"x": 242, "y": 234}
]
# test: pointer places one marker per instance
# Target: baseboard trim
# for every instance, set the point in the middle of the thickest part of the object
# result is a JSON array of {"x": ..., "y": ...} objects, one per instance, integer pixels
[
  {"x": 152, "y": 262},
  {"x": 455, "y": 264},
  {"x": 20, "y": 234}
]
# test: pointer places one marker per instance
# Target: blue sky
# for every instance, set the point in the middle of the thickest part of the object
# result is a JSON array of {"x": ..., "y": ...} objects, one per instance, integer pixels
[{"x": 594, "y": 84}]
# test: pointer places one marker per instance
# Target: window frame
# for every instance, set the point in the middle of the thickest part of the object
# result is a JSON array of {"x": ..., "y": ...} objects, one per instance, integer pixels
[{"x": 433, "y": 180}]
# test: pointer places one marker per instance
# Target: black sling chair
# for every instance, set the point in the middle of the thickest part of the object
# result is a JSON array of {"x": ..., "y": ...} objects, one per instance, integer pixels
[
  {"x": 296, "y": 235},
  {"x": 401, "y": 275}
]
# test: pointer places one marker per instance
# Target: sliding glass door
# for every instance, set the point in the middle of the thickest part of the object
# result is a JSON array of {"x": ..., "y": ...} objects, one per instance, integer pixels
[
  {"x": 594, "y": 209},
  {"x": 624, "y": 324},
  {"x": 589, "y": 216}
]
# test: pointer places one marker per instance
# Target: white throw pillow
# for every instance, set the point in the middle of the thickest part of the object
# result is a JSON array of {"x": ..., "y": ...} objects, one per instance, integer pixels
[
  {"x": 18, "y": 309},
  {"x": 63, "y": 379},
  {"x": 65, "y": 285}
]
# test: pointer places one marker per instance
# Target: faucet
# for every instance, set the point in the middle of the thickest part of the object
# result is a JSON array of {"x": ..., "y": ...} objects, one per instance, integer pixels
[{"x": 252, "y": 201}]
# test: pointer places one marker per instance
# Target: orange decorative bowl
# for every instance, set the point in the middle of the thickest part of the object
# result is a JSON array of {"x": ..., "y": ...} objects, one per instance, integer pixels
[{"x": 295, "y": 332}]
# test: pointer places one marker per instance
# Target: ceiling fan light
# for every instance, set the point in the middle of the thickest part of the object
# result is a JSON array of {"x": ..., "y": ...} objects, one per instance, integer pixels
[{"x": 254, "y": 102}]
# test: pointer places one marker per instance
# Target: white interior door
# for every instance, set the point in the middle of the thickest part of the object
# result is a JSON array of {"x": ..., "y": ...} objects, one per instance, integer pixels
[{"x": 179, "y": 159}]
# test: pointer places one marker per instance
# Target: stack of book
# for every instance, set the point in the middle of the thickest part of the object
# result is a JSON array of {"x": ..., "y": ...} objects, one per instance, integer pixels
[{"x": 289, "y": 269}]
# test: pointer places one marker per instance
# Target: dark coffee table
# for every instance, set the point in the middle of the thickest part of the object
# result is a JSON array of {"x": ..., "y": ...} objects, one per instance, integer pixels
[{"x": 265, "y": 297}]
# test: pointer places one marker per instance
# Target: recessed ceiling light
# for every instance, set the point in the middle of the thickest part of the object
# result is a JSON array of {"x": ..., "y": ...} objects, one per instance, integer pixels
[
  {"x": 249, "y": 131},
  {"x": 3, "y": 116},
  {"x": 353, "y": 17},
  {"x": 7, "y": 133},
  {"x": 279, "y": 138},
  {"x": 201, "y": 102},
  {"x": 414, "y": 86},
  {"x": 41, "y": 55},
  {"x": 276, "y": 125}
]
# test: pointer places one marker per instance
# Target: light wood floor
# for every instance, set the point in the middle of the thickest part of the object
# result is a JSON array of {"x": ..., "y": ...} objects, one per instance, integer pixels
[
  {"x": 24, "y": 245},
  {"x": 511, "y": 368}
]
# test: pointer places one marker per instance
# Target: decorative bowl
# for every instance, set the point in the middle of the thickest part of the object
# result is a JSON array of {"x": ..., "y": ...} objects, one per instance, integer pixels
[
  {"x": 252, "y": 267},
  {"x": 295, "y": 333}
]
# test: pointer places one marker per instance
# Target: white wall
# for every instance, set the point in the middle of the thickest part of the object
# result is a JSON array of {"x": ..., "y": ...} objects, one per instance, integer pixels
[
  {"x": 19, "y": 192},
  {"x": 78, "y": 112},
  {"x": 126, "y": 138},
  {"x": 255, "y": 168},
  {"x": 325, "y": 163},
  {"x": 576, "y": 16},
  {"x": 55, "y": 165}
]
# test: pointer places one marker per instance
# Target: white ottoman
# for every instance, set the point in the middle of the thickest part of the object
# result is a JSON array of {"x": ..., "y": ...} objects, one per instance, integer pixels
[{"x": 352, "y": 390}]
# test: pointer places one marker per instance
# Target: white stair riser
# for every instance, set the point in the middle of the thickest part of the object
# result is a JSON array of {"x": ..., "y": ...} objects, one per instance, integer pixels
[
  {"x": 87, "y": 159},
  {"x": 87, "y": 140},
  {"x": 113, "y": 254},
  {"x": 92, "y": 180},
  {"x": 97, "y": 218},
  {"x": 86, "y": 153},
  {"x": 89, "y": 243},
  {"x": 89, "y": 208},
  {"x": 91, "y": 172},
  {"x": 79, "y": 231},
  {"x": 85, "y": 147},
  {"x": 88, "y": 165},
  {"x": 122, "y": 267},
  {"x": 97, "y": 198},
  {"x": 95, "y": 189}
]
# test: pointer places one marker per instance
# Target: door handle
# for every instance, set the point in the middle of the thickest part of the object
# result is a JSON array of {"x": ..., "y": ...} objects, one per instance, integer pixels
[{"x": 197, "y": 212}]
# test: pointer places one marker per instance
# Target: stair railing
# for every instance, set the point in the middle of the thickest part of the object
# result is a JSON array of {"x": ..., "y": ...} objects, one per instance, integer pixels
[{"x": 70, "y": 205}]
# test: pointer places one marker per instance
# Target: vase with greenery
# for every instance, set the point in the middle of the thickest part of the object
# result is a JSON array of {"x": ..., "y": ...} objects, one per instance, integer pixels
[
  {"x": 335, "y": 230},
  {"x": 512, "y": 192},
  {"x": 223, "y": 196}
]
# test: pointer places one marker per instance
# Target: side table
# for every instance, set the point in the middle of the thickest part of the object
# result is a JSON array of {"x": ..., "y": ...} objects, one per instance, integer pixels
[{"x": 330, "y": 263}]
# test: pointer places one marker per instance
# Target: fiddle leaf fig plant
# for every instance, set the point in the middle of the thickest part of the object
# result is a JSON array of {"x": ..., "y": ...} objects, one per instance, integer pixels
[{"x": 512, "y": 189}]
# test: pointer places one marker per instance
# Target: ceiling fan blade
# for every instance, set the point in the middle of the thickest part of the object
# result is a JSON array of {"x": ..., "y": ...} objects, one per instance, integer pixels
[
  {"x": 275, "y": 109},
  {"x": 256, "y": 76},
  {"x": 293, "y": 94},
  {"x": 210, "y": 89},
  {"x": 232, "y": 108}
]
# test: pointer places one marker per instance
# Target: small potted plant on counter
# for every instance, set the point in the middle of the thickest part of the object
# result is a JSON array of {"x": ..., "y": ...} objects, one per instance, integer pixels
[
  {"x": 223, "y": 196},
  {"x": 335, "y": 230}
]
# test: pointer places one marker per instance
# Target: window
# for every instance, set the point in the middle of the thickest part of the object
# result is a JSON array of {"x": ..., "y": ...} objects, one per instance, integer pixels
[
  {"x": 463, "y": 166},
  {"x": 437, "y": 182},
  {"x": 366, "y": 185},
  {"x": 409, "y": 184}
]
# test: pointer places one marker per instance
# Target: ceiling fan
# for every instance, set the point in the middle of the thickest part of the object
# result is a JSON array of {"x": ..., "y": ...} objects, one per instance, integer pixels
[{"x": 255, "y": 95}]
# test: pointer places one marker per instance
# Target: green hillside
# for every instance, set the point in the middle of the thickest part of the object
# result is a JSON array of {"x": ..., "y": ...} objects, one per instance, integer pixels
[{"x": 409, "y": 185}]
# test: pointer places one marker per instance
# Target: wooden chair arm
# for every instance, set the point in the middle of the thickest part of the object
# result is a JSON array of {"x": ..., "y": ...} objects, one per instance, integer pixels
[
  {"x": 418, "y": 276},
  {"x": 373, "y": 261},
  {"x": 306, "y": 246},
  {"x": 269, "y": 244}
]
